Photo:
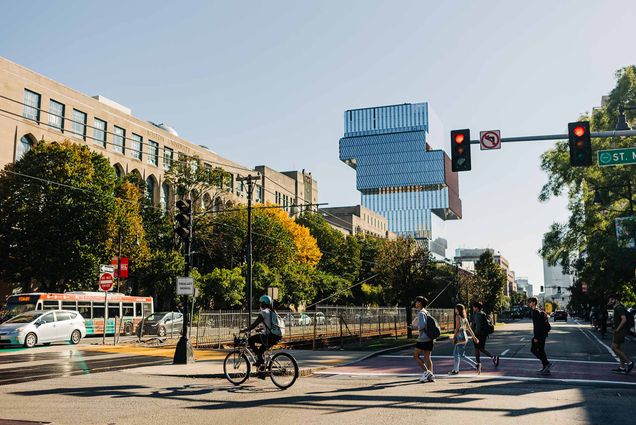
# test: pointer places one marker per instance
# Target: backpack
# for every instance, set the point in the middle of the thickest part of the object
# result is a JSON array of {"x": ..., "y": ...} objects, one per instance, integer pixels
[
  {"x": 277, "y": 324},
  {"x": 630, "y": 319},
  {"x": 432, "y": 327},
  {"x": 489, "y": 327},
  {"x": 546, "y": 322}
]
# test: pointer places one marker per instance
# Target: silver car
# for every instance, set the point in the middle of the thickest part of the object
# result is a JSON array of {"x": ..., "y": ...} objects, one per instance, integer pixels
[{"x": 43, "y": 327}]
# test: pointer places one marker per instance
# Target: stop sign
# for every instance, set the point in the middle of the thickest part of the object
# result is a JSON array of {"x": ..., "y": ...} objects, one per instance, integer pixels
[{"x": 106, "y": 281}]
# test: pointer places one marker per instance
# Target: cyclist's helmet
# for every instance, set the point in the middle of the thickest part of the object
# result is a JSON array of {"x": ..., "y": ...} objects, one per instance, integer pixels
[{"x": 266, "y": 299}]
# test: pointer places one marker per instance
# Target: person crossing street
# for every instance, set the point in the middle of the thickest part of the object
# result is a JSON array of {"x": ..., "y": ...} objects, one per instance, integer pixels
[
  {"x": 621, "y": 327},
  {"x": 540, "y": 327}
]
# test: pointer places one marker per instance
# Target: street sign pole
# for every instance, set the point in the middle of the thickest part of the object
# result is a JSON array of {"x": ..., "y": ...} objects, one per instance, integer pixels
[{"x": 105, "y": 284}]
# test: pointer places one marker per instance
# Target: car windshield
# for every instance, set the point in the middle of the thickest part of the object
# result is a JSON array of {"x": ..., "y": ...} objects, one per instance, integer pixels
[
  {"x": 155, "y": 317},
  {"x": 25, "y": 317}
]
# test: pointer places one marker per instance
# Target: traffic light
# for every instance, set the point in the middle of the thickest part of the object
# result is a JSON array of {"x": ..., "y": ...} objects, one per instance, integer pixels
[
  {"x": 184, "y": 219},
  {"x": 580, "y": 144},
  {"x": 460, "y": 150}
]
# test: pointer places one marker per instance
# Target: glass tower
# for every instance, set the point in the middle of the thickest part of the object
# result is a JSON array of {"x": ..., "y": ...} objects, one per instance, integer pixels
[{"x": 398, "y": 174}]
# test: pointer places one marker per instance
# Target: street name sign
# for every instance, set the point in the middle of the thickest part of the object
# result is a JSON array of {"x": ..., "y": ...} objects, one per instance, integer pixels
[
  {"x": 104, "y": 268},
  {"x": 624, "y": 156},
  {"x": 185, "y": 286},
  {"x": 106, "y": 281},
  {"x": 490, "y": 139}
]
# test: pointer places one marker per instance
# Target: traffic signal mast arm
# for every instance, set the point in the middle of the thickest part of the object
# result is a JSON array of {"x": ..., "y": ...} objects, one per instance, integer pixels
[{"x": 546, "y": 137}]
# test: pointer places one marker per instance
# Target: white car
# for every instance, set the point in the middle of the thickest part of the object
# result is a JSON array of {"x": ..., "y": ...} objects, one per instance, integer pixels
[{"x": 43, "y": 327}]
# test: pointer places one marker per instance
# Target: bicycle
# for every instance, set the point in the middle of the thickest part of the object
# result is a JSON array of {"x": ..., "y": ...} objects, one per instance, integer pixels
[{"x": 281, "y": 367}]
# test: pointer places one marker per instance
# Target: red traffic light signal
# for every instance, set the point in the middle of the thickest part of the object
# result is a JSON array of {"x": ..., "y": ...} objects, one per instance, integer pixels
[
  {"x": 580, "y": 142},
  {"x": 460, "y": 150}
]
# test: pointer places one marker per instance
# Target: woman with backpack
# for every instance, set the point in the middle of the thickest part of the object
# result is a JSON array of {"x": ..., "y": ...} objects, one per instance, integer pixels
[
  {"x": 460, "y": 339},
  {"x": 272, "y": 332},
  {"x": 483, "y": 327},
  {"x": 424, "y": 344}
]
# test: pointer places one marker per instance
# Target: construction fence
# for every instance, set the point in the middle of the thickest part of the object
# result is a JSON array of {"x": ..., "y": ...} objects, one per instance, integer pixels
[{"x": 216, "y": 328}]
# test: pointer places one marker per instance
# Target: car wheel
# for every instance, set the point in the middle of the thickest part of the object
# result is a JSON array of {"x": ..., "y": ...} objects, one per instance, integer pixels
[
  {"x": 30, "y": 340},
  {"x": 161, "y": 331},
  {"x": 76, "y": 336},
  {"x": 128, "y": 328}
]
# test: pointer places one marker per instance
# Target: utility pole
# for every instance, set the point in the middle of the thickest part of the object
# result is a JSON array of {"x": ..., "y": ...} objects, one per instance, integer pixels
[
  {"x": 250, "y": 192},
  {"x": 183, "y": 353}
]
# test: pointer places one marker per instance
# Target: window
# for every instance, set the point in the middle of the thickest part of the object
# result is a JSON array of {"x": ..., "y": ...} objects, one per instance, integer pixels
[
  {"x": 165, "y": 196},
  {"x": 98, "y": 310},
  {"x": 79, "y": 123},
  {"x": 147, "y": 309},
  {"x": 259, "y": 194},
  {"x": 47, "y": 318},
  {"x": 119, "y": 137},
  {"x": 23, "y": 147},
  {"x": 31, "y": 105},
  {"x": 150, "y": 190},
  {"x": 69, "y": 305},
  {"x": 51, "y": 305},
  {"x": 167, "y": 158},
  {"x": 84, "y": 308},
  {"x": 127, "y": 310},
  {"x": 113, "y": 311},
  {"x": 153, "y": 152},
  {"x": 62, "y": 315},
  {"x": 99, "y": 132},
  {"x": 56, "y": 114},
  {"x": 136, "y": 146}
]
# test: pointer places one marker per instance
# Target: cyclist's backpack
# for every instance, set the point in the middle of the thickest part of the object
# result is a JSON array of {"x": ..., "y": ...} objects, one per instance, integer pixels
[
  {"x": 432, "y": 328},
  {"x": 488, "y": 327},
  {"x": 277, "y": 324}
]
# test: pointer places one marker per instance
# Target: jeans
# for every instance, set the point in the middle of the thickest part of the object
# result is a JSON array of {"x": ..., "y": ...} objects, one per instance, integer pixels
[
  {"x": 538, "y": 349},
  {"x": 459, "y": 352}
]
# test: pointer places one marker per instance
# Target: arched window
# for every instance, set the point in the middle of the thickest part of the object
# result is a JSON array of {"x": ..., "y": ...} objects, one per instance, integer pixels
[
  {"x": 119, "y": 171},
  {"x": 26, "y": 142},
  {"x": 165, "y": 197},
  {"x": 150, "y": 189}
]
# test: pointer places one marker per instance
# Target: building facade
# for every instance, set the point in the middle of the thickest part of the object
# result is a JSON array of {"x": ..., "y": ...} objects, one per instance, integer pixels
[
  {"x": 523, "y": 285},
  {"x": 295, "y": 191},
  {"x": 468, "y": 258},
  {"x": 34, "y": 107},
  {"x": 398, "y": 174},
  {"x": 556, "y": 285},
  {"x": 356, "y": 219}
]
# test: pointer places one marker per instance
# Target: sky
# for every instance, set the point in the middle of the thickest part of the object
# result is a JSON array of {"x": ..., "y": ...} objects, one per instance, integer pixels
[{"x": 267, "y": 82}]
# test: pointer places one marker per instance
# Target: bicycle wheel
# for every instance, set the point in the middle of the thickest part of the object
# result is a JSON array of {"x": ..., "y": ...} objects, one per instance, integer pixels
[
  {"x": 283, "y": 370},
  {"x": 236, "y": 367}
]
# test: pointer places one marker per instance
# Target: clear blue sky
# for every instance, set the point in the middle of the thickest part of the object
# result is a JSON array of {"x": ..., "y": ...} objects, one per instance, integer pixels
[{"x": 267, "y": 82}]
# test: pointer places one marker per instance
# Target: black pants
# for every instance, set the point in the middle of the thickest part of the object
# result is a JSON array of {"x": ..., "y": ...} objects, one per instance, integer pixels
[
  {"x": 538, "y": 349},
  {"x": 264, "y": 342}
]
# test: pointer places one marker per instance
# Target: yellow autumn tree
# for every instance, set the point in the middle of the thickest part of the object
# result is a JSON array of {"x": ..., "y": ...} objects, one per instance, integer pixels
[{"x": 306, "y": 245}]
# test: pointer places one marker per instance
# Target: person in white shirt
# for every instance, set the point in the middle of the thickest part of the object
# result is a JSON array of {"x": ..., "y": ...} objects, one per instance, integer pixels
[{"x": 424, "y": 344}]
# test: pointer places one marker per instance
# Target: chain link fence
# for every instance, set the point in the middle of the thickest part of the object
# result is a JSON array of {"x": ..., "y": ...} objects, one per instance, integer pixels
[{"x": 216, "y": 328}]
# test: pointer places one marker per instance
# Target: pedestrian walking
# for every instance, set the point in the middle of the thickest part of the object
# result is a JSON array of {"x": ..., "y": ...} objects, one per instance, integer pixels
[
  {"x": 424, "y": 344},
  {"x": 460, "y": 339},
  {"x": 540, "y": 327},
  {"x": 482, "y": 327},
  {"x": 621, "y": 327}
]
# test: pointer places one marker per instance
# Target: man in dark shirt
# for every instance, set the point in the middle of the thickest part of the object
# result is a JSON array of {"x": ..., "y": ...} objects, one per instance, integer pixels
[
  {"x": 540, "y": 327},
  {"x": 478, "y": 324},
  {"x": 620, "y": 331}
]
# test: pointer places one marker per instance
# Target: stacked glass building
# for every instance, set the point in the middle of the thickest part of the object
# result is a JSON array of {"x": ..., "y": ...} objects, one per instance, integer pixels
[{"x": 397, "y": 172}]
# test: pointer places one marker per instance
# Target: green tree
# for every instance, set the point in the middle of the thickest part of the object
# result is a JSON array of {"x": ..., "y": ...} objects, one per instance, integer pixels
[
  {"x": 55, "y": 228},
  {"x": 491, "y": 279},
  {"x": 586, "y": 243},
  {"x": 222, "y": 289}
]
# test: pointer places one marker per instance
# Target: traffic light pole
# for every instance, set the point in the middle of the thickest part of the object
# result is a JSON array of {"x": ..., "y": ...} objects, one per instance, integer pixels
[
  {"x": 548, "y": 137},
  {"x": 183, "y": 354}
]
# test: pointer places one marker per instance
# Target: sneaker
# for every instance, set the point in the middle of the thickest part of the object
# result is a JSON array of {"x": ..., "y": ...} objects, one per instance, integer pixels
[
  {"x": 495, "y": 361},
  {"x": 544, "y": 372},
  {"x": 453, "y": 372},
  {"x": 620, "y": 369},
  {"x": 630, "y": 366},
  {"x": 547, "y": 367},
  {"x": 478, "y": 368},
  {"x": 431, "y": 377},
  {"x": 424, "y": 377}
]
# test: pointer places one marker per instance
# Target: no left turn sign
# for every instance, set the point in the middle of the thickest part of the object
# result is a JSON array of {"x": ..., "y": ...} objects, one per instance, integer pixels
[{"x": 490, "y": 139}]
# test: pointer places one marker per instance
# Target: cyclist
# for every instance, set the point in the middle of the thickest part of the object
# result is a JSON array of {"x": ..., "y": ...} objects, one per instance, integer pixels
[{"x": 271, "y": 333}]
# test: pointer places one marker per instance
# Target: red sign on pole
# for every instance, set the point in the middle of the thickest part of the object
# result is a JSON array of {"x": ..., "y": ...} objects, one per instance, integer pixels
[
  {"x": 123, "y": 265},
  {"x": 106, "y": 281}
]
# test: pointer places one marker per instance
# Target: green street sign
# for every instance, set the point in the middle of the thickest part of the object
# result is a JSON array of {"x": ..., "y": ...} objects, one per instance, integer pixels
[{"x": 623, "y": 156}]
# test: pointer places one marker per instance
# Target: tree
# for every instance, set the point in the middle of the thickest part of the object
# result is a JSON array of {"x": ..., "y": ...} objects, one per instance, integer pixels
[
  {"x": 492, "y": 279},
  {"x": 222, "y": 289},
  {"x": 55, "y": 226},
  {"x": 586, "y": 244},
  {"x": 307, "y": 251}
]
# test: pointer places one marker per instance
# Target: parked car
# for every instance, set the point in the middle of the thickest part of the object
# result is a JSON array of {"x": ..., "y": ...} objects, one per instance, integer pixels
[
  {"x": 43, "y": 327},
  {"x": 320, "y": 318},
  {"x": 289, "y": 320},
  {"x": 162, "y": 324},
  {"x": 560, "y": 315},
  {"x": 303, "y": 320}
]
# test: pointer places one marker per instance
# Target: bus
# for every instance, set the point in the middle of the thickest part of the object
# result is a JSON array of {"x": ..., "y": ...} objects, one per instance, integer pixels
[{"x": 89, "y": 304}]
